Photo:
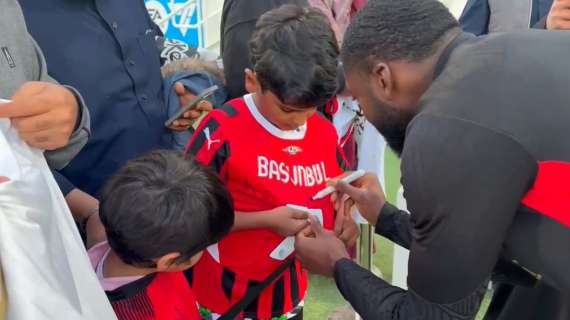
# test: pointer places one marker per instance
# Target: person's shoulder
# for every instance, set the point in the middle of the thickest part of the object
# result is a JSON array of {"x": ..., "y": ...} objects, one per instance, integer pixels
[
  {"x": 226, "y": 117},
  {"x": 230, "y": 112},
  {"x": 97, "y": 252},
  {"x": 323, "y": 125}
]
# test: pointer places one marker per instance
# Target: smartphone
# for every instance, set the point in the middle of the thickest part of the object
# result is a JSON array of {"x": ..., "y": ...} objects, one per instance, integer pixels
[{"x": 203, "y": 96}]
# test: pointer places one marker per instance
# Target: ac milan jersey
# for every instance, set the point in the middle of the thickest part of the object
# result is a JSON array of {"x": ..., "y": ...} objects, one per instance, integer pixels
[
  {"x": 158, "y": 296},
  {"x": 264, "y": 168}
]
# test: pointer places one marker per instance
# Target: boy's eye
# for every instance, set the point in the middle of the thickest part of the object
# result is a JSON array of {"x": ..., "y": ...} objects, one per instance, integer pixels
[{"x": 287, "y": 110}]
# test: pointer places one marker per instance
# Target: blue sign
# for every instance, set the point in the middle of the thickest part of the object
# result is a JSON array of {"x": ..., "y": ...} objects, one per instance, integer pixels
[{"x": 179, "y": 19}]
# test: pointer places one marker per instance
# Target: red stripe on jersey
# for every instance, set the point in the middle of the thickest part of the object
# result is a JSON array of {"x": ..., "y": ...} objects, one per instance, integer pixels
[
  {"x": 550, "y": 194},
  {"x": 137, "y": 307},
  {"x": 172, "y": 297},
  {"x": 264, "y": 168},
  {"x": 161, "y": 296}
]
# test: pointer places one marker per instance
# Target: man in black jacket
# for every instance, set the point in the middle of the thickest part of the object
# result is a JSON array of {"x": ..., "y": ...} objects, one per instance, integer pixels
[{"x": 482, "y": 131}]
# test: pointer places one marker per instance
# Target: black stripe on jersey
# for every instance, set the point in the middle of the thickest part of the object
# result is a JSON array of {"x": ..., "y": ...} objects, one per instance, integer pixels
[
  {"x": 222, "y": 154},
  {"x": 228, "y": 281},
  {"x": 229, "y": 110},
  {"x": 131, "y": 289},
  {"x": 294, "y": 284},
  {"x": 340, "y": 160},
  {"x": 201, "y": 139},
  {"x": 278, "y": 301},
  {"x": 189, "y": 274},
  {"x": 251, "y": 310}
]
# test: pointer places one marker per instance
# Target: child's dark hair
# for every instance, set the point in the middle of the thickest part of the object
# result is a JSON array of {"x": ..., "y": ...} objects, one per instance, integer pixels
[
  {"x": 163, "y": 203},
  {"x": 294, "y": 54}
]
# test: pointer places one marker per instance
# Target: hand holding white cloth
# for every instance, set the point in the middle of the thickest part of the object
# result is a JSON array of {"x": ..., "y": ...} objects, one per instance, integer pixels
[{"x": 46, "y": 270}]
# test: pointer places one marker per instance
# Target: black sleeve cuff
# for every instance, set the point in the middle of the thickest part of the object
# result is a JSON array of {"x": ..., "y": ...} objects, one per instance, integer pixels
[
  {"x": 385, "y": 223},
  {"x": 339, "y": 266},
  {"x": 342, "y": 275}
]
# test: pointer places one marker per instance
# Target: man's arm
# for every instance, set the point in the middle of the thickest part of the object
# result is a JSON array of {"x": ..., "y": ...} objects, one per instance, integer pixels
[
  {"x": 58, "y": 159},
  {"x": 394, "y": 224},
  {"x": 462, "y": 202}
]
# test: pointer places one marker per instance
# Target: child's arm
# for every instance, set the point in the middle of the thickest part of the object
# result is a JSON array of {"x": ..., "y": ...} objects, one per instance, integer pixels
[{"x": 283, "y": 220}]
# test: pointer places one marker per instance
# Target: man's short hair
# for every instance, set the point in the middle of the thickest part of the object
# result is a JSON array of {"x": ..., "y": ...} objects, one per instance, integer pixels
[
  {"x": 294, "y": 53},
  {"x": 390, "y": 30},
  {"x": 163, "y": 203}
]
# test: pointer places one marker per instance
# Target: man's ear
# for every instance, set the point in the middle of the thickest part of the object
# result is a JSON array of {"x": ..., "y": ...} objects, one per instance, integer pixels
[
  {"x": 251, "y": 83},
  {"x": 383, "y": 81},
  {"x": 167, "y": 261}
]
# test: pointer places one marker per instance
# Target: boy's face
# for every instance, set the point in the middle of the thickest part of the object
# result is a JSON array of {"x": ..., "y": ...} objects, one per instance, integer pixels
[{"x": 283, "y": 116}]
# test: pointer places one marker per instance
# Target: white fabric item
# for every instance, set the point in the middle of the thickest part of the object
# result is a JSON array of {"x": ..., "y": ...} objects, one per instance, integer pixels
[
  {"x": 46, "y": 269},
  {"x": 371, "y": 145},
  {"x": 401, "y": 255}
]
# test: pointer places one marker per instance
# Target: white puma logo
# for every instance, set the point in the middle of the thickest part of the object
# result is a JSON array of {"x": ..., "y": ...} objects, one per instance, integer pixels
[{"x": 209, "y": 138}]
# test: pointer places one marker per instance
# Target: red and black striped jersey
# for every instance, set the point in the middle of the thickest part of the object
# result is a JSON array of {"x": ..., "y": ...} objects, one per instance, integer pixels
[
  {"x": 264, "y": 168},
  {"x": 158, "y": 296}
]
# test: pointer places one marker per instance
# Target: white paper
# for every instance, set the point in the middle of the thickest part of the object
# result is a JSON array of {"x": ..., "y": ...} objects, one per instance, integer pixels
[
  {"x": 285, "y": 249},
  {"x": 287, "y": 246}
]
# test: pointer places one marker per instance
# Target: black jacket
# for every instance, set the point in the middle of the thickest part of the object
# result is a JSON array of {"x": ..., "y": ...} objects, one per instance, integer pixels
[{"x": 486, "y": 171}]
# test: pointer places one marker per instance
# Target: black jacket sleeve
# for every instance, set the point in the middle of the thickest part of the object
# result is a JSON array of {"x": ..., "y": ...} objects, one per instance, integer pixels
[
  {"x": 394, "y": 224},
  {"x": 463, "y": 184}
]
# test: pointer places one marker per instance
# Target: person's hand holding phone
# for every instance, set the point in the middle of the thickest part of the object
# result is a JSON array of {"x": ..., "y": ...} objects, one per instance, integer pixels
[
  {"x": 188, "y": 118},
  {"x": 559, "y": 16}
]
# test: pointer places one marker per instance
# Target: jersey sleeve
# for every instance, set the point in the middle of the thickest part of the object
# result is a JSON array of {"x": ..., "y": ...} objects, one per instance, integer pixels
[
  {"x": 463, "y": 184},
  {"x": 209, "y": 144}
]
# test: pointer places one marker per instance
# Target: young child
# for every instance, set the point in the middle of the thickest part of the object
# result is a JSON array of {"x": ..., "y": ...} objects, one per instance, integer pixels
[
  {"x": 272, "y": 149},
  {"x": 160, "y": 212}
]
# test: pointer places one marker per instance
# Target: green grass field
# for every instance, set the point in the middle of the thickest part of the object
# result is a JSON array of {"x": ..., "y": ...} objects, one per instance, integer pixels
[{"x": 323, "y": 298}]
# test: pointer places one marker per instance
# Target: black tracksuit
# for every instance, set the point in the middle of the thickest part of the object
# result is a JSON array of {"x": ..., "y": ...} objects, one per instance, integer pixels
[{"x": 486, "y": 173}]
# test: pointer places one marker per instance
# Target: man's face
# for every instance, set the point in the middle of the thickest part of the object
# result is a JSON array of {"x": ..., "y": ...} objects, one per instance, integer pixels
[{"x": 389, "y": 118}]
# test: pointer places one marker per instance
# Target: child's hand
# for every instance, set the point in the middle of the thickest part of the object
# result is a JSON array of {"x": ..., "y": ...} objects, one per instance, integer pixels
[
  {"x": 288, "y": 222},
  {"x": 345, "y": 228}
]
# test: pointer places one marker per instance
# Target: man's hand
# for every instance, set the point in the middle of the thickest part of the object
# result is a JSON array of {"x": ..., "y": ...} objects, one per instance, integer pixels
[
  {"x": 191, "y": 116},
  {"x": 345, "y": 228},
  {"x": 287, "y": 222},
  {"x": 559, "y": 15},
  {"x": 318, "y": 250},
  {"x": 366, "y": 193},
  {"x": 44, "y": 114}
]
